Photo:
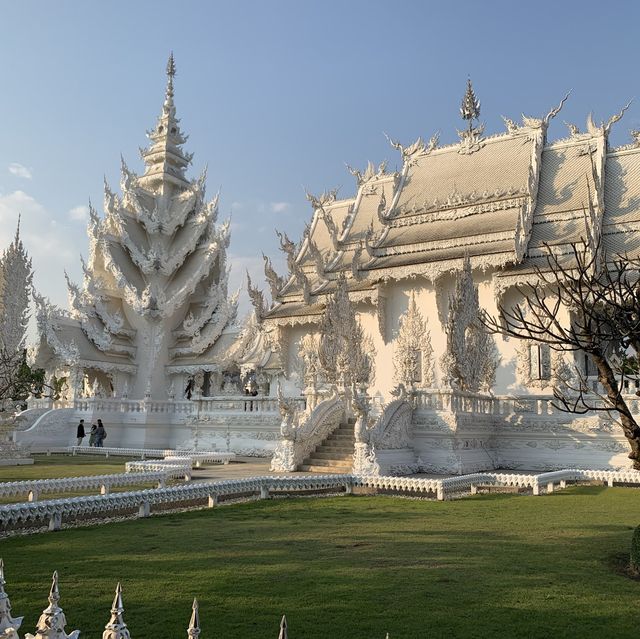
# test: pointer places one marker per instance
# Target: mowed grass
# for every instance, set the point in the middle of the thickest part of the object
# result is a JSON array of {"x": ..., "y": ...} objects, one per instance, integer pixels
[
  {"x": 489, "y": 566},
  {"x": 53, "y": 466}
]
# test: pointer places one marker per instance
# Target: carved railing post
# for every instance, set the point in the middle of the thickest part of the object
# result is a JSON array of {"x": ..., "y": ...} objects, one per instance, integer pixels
[
  {"x": 52, "y": 622},
  {"x": 116, "y": 628}
]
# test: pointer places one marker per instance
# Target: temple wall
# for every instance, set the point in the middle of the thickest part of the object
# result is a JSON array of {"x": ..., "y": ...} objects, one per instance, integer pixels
[{"x": 446, "y": 442}]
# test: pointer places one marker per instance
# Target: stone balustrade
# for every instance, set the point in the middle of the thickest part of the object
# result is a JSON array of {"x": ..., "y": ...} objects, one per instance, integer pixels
[
  {"x": 108, "y": 451},
  {"x": 477, "y": 403},
  {"x": 198, "y": 458},
  {"x": 193, "y": 407},
  {"x": 56, "y": 510},
  {"x": 178, "y": 465},
  {"x": 104, "y": 483},
  {"x": 201, "y": 457}
]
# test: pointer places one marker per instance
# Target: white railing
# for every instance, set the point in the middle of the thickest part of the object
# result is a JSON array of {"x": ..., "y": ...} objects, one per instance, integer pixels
[
  {"x": 56, "y": 510},
  {"x": 195, "y": 406},
  {"x": 475, "y": 403},
  {"x": 301, "y": 432},
  {"x": 36, "y": 487},
  {"x": 197, "y": 457},
  {"x": 455, "y": 401},
  {"x": 242, "y": 404},
  {"x": 177, "y": 465}
]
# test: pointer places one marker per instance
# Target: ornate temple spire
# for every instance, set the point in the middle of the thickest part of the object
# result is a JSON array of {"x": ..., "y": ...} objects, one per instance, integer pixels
[
  {"x": 193, "y": 631},
  {"x": 470, "y": 108},
  {"x": 471, "y": 138},
  {"x": 171, "y": 73},
  {"x": 15, "y": 293},
  {"x": 116, "y": 628},
  {"x": 164, "y": 159}
]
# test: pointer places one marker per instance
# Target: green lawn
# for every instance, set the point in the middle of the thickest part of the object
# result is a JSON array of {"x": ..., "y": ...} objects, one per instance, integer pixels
[
  {"x": 48, "y": 467},
  {"x": 353, "y": 567}
]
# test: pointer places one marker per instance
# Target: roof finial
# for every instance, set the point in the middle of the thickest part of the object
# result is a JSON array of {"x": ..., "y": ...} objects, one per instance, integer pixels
[
  {"x": 171, "y": 72},
  {"x": 194, "y": 624},
  {"x": 18, "y": 229},
  {"x": 470, "y": 108}
]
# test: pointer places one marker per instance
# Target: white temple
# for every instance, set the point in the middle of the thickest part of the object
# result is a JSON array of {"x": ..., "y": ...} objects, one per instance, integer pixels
[{"x": 372, "y": 334}]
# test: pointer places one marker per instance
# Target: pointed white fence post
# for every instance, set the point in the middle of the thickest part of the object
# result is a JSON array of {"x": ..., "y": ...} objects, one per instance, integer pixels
[
  {"x": 284, "y": 631},
  {"x": 116, "y": 628},
  {"x": 52, "y": 621},
  {"x": 55, "y": 521},
  {"x": 193, "y": 631},
  {"x": 8, "y": 625}
]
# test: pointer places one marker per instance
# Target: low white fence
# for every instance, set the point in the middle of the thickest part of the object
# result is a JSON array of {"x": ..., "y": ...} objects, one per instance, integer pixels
[
  {"x": 52, "y": 622},
  {"x": 197, "y": 457},
  {"x": 181, "y": 465},
  {"x": 142, "y": 501},
  {"x": 34, "y": 488}
]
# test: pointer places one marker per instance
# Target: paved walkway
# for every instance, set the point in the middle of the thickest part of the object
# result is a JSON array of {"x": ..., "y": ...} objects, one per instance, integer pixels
[{"x": 256, "y": 466}]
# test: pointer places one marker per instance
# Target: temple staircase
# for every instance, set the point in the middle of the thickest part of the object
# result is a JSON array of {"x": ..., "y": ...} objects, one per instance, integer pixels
[{"x": 335, "y": 453}]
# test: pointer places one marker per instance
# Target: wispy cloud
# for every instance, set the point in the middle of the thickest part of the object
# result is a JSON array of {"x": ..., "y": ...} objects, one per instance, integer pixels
[
  {"x": 17, "y": 169},
  {"x": 280, "y": 207},
  {"x": 79, "y": 213}
]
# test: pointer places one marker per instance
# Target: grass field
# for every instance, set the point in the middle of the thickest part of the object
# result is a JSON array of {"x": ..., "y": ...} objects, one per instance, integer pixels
[
  {"x": 353, "y": 567},
  {"x": 48, "y": 467}
]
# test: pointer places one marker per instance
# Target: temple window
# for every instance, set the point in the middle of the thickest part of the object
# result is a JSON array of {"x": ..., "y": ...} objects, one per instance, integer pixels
[{"x": 540, "y": 362}]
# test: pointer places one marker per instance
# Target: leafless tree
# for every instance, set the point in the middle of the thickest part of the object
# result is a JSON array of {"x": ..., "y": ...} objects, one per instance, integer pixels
[{"x": 601, "y": 302}]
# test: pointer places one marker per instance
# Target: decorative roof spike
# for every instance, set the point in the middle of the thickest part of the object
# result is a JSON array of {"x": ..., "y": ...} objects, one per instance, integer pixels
[
  {"x": 283, "y": 628},
  {"x": 116, "y": 628},
  {"x": 171, "y": 72},
  {"x": 52, "y": 621},
  {"x": 165, "y": 159},
  {"x": 193, "y": 632},
  {"x": 470, "y": 108},
  {"x": 8, "y": 624},
  {"x": 17, "y": 239}
]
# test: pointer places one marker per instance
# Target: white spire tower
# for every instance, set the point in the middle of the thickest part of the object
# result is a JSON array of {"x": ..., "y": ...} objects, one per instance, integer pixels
[{"x": 155, "y": 287}]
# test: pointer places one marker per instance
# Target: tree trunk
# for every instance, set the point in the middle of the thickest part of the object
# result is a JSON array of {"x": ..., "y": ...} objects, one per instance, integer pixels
[{"x": 630, "y": 427}]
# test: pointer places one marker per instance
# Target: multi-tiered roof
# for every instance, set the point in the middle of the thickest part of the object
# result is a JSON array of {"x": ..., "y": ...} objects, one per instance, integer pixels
[{"x": 496, "y": 199}]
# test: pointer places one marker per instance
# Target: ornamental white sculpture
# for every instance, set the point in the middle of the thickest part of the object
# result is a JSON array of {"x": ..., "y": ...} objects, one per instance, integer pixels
[
  {"x": 413, "y": 354},
  {"x": 154, "y": 298},
  {"x": 52, "y": 622},
  {"x": 471, "y": 357},
  {"x": 346, "y": 354},
  {"x": 17, "y": 278}
]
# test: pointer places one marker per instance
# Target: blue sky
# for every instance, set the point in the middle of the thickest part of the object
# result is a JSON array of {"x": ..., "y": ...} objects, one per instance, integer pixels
[{"x": 276, "y": 96}]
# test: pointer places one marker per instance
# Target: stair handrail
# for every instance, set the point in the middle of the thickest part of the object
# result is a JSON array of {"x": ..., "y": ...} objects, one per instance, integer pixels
[
  {"x": 301, "y": 431},
  {"x": 391, "y": 429}
]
